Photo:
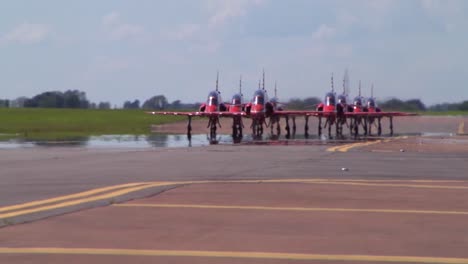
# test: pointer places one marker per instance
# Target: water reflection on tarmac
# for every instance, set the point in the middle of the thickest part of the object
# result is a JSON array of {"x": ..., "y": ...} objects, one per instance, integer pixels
[
  {"x": 150, "y": 141},
  {"x": 177, "y": 141}
]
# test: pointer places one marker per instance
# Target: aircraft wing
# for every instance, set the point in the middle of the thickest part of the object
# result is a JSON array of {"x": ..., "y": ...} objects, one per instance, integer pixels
[
  {"x": 379, "y": 114},
  {"x": 360, "y": 114},
  {"x": 294, "y": 113},
  {"x": 201, "y": 114}
]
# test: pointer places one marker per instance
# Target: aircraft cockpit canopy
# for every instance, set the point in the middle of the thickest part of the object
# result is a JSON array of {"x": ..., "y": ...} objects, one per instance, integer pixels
[
  {"x": 236, "y": 99},
  {"x": 213, "y": 98},
  {"x": 358, "y": 101},
  {"x": 341, "y": 99},
  {"x": 274, "y": 100},
  {"x": 371, "y": 102},
  {"x": 259, "y": 97},
  {"x": 330, "y": 99}
]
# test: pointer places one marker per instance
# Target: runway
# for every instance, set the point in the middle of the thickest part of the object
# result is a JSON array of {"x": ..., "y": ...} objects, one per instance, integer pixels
[{"x": 399, "y": 199}]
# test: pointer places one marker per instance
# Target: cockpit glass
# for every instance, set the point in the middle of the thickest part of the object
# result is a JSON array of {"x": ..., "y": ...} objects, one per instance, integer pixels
[
  {"x": 236, "y": 100},
  {"x": 213, "y": 100},
  {"x": 330, "y": 100},
  {"x": 341, "y": 100},
  {"x": 358, "y": 101},
  {"x": 371, "y": 103},
  {"x": 259, "y": 100}
]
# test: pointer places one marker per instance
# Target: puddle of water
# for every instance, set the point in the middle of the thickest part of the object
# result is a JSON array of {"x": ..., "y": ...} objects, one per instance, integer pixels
[
  {"x": 164, "y": 141},
  {"x": 178, "y": 141}
]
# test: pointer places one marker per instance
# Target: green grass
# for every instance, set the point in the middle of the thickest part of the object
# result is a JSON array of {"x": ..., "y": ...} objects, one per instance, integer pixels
[
  {"x": 68, "y": 123},
  {"x": 444, "y": 113}
]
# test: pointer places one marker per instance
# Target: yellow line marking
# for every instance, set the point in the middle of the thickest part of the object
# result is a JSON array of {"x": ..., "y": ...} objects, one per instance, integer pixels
[
  {"x": 336, "y": 182},
  {"x": 231, "y": 254},
  {"x": 133, "y": 187},
  {"x": 346, "y": 147},
  {"x": 84, "y": 200},
  {"x": 392, "y": 185},
  {"x": 66, "y": 197},
  {"x": 461, "y": 128},
  {"x": 300, "y": 209},
  {"x": 357, "y": 180}
]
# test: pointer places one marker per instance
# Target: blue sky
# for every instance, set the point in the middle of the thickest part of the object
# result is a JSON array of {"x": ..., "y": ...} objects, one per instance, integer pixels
[{"x": 125, "y": 50}]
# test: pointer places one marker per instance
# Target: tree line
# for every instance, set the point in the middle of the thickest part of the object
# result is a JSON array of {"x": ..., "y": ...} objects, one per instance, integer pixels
[{"x": 77, "y": 99}]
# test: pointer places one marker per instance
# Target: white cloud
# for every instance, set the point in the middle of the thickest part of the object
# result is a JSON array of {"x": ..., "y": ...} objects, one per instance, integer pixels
[
  {"x": 183, "y": 32},
  {"x": 228, "y": 9},
  {"x": 117, "y": 29},
  {"x": 102, "y": 67},
  {"x": 451, "y": 14},
  {"x": 27, "y": 33},
  {"x": 324, "y": 32},
  {"x": 111, "y": 19}
]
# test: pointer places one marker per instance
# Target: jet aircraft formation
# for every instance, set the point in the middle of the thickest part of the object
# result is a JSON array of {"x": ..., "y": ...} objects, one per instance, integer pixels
[{"x": 334, "y": 111}]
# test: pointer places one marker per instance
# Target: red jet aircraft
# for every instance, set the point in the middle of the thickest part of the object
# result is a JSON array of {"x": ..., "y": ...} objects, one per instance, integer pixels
[
  {"x": 358, "y": 114},
  {"x": 261, "y": 108},
  {"x": 213, "y": 109}
]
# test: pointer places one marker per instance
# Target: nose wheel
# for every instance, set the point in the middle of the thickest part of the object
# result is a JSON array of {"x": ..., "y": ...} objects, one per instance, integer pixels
[
  {"x": 237, "y": 127},
  {"x": 257, "y": 127}
]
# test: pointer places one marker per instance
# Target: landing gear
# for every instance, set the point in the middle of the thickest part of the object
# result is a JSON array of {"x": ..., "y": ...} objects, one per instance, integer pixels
[
  {"x": 294, "y": 126},
  {"x": 189, "y": 128},
  {"x": 306, "y": 128},
  {"x": 391, "y": 126},
  {"x": 320, "y": 127},
  {"x": 213, "y": 125},
  {"x": 288, "y": 129},
  {"x": 272, "y": 121},
  {"x": 379, "y": 126},
  {"x": 257, "y": 127},
  {"x": 237, "y": 127}
]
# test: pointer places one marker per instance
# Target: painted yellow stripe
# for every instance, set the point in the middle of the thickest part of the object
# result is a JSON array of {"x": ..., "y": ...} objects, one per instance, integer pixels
[
  {"x": 231, "y": 254},
  {"x": 84, "y": 200},
  {"x": 461, "y": 128},
  {"x": 392, "y": 185},
  {"x": 354, "y": 180},
  {"x": 300, "y": 209},
  {"x": 133, "y": 187},
  {"x": 67, "y": 197},
  {"x": 346, "y": 147}
]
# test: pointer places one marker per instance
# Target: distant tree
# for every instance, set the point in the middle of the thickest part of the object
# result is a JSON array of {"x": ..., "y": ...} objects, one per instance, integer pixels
[
  {"x": 299, "y": 104},
  {"x": 177, "y": 104},
  {"x": 127, "y": 105},
  {"x": 311, "y": 102},
  {"x": 132, "y": 105},
  {"x": 463, "y": 106},
  {"x": 56, "y": 99},
  {"x": 4, "y": 103},
  {"x": 104, "y": 105},
  {"x": 296, "y": 103},
  {"x": 18, "y": 102},
  {"x": 399, "y": 105},
  {"x": 415, "y": 105},
  {"x": 156, "y": 102},
  {"x": 392, "y": 104}
]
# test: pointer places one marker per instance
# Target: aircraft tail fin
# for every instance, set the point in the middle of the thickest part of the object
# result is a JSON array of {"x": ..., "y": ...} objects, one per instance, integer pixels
[
  {"x": 240, "y": 85},
  {"x": 217, "y": 80},
  {"x": 332, "y": 84},
  {"x": 359, "y": 88},
  {"x": 276, "y": 90},
  {"x": 263, "y": 79}
]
